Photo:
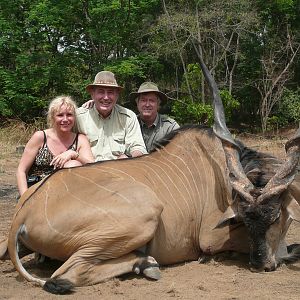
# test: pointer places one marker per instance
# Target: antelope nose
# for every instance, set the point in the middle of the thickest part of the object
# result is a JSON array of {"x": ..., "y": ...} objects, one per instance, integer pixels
[{"x": 270, "y": 267}]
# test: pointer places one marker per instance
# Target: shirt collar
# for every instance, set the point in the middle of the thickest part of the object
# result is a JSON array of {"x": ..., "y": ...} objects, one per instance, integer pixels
[
  {"x": 100, "y": 116},
  {"x": 155, "y": 123}
]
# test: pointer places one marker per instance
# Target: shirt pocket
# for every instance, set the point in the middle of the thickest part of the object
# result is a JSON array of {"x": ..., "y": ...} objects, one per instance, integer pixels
[
  {"x": 93, "y": 140},
  {"x": 118, "y": 144}
]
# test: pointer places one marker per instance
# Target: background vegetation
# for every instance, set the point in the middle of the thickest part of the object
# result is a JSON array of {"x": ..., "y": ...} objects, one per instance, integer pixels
[{"x": 53, "y": 47}]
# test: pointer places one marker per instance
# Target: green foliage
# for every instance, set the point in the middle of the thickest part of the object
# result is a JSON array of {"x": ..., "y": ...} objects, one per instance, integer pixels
[
  {"x": 289, "y": 107},
  {"x": 287, "y": 9},
  {"x": 274, "y": 122},
  {"x": 230, "y": 104},
  {"x": 194, "y": 78},
  {"x": 51, "y": 47},
  {"x": 192, "y": 112},
  {"x": 190, "y": 109},
  {"x": 137, "y": 68},
  {"x": 288, "y": 110},
  {"x": 4, "y": 110},
  {"x": 188, "y": 112}
]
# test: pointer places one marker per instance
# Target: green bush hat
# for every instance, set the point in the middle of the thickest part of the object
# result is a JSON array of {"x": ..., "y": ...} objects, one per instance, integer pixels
[
  {"x": 148, "y": 87},
  {"x": 105, "y": 79}
]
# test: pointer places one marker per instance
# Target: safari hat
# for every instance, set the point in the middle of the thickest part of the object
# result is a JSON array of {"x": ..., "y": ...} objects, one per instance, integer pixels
[
  {"x": 104, "y": 78},
  {"x": 148, "y": 87}
]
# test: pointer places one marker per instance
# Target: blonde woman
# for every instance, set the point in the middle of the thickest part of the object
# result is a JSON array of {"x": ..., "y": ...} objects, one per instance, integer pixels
[{"x": 56, "y": 147}]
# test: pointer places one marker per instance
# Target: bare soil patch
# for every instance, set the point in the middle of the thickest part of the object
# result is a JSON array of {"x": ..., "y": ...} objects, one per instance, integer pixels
[{"x": 226, "y": 279}]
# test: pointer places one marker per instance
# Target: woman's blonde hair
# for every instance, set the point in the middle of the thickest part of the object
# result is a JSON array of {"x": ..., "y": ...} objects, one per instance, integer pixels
[{"x": 55, "y": 106}]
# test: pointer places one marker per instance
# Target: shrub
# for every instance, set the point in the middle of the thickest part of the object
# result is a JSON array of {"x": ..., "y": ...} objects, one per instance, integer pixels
[
  {"x": 288, "y": 110},
  {"x": 289, "y": 107},
  {"x": 186, "y": 111}
]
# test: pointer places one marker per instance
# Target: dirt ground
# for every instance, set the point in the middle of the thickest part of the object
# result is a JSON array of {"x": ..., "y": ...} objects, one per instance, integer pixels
[{"x": 227, "y": 279}]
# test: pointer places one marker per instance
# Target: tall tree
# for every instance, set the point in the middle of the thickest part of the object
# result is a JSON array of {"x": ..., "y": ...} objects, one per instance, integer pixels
[{"x": 280, "y": 45}]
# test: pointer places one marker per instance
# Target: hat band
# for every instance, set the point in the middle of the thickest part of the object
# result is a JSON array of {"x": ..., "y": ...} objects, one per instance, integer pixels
[
  {"x": 148, "y": 91},
  {"x": 105, "y": 82}
]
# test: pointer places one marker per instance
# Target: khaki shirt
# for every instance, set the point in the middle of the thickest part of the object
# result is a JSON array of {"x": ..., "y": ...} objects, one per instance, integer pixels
[
  {"x": 110, "y": 137},
  {"x": 158, "y": 130}
]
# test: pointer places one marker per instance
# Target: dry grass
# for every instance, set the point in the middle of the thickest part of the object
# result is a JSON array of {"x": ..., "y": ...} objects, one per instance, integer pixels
[{"x": 14, "y": 133}]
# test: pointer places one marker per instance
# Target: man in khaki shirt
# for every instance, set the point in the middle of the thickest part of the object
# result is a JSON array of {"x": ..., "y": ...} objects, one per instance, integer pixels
[
  {"x": 154, "y": 125},
  {"x": 113, "y": 131}
]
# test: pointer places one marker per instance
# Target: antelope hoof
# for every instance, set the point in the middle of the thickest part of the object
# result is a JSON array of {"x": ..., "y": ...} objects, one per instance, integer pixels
[
  {"x": 152, "y": 272},
  {"x": 148, "y": 267}
]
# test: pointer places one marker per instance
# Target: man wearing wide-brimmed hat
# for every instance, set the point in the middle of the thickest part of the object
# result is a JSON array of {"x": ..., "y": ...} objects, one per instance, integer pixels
[
  {"x": 154, "y": 125},
  {"x": 113, "y": 130}
]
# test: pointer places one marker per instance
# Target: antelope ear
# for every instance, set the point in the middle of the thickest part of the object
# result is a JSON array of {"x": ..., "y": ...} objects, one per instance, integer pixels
[
  {"x": 228, "y": 216},
  {"x": 293, "y": 209}
]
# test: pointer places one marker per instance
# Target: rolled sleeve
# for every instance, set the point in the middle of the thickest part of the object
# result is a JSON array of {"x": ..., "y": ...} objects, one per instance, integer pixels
[{"x": 133, "y": 139}]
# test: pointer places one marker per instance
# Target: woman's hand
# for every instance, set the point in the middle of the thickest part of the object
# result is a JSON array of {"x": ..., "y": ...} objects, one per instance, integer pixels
[{"x": 59, "y": 160}]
